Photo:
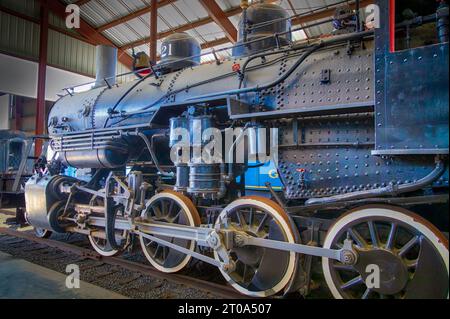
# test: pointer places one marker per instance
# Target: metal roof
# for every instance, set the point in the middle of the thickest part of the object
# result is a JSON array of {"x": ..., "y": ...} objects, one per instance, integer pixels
[{"x": 180, "y": 12}]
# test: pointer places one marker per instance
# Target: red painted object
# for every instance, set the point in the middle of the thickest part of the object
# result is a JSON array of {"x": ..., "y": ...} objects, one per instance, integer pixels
[
  {"x": 42, "y": 74},
  {"x": 236, "y": 67},
  {"x": 392, "y": 26}
]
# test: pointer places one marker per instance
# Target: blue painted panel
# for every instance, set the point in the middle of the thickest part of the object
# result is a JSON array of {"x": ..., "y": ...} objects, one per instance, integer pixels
[{"x": 256, "y": 178}]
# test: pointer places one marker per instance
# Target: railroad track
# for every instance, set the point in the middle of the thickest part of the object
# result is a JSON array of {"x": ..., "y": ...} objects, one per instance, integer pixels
[{"x": 215, "y": 289}]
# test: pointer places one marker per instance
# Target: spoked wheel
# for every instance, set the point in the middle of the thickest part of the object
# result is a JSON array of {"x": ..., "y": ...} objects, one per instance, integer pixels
[
  {"x": 409, "y": 254},
  {"x": 42, "y": 233},
  {"x": 259, "y": 272},
  {"x": 102, "y": 246},
  {"x": 98, "y": 239},
  {"x": 174, "y": 208}
]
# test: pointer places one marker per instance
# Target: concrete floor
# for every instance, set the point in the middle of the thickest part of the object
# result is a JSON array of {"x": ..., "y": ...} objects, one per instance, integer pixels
[{"x": 20, "y": 279}]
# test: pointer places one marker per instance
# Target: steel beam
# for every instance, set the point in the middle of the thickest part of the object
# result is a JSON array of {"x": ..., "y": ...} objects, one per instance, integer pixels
[
  {"x": 153, "y": 31},
  {"x": 89, "y": 32},
  {"x": 182, "y": 28},
  {"x": 42, "y": 74},
  {"x": 81, "y": 2},
  {"x": 131, "y": 16},
  {"x": 220, "y": 18},
  {"x": 325, "y": 13},
  {"x": 18, "y": 113}
]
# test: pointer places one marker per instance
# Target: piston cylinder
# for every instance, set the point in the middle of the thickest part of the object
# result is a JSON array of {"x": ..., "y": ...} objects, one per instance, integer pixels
[{"x": 204, "y": 180}]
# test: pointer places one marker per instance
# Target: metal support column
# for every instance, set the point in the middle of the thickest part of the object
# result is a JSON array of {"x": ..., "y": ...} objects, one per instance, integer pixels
[
  {"x": 42, "y": 71},
  {"x": 18, "y": 113},
  {"x": 153, "y": 31}
]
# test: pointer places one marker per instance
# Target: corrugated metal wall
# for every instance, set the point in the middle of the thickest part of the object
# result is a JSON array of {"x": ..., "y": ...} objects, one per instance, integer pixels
[
  {"x": 71, "y": 53},
  {"x": 20, "y": 37},
  {"x": 27, "y": 7}
]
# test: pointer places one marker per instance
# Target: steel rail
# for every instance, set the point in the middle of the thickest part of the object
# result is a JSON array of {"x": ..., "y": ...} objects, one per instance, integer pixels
[{"x": 206, "y": 286}]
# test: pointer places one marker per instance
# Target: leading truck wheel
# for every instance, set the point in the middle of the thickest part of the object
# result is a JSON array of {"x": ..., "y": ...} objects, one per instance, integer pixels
[
  {"x": 98, "y": 240},
  {"x": 175, "y": 208},
  {"x": 42, "y": 233},
  {"x": 400, "y": 255},
  {"x": 259, "y": 272}
]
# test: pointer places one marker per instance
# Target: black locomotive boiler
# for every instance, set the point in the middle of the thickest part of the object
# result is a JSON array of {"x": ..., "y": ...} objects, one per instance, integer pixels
[{"x": 357, "y": 124}]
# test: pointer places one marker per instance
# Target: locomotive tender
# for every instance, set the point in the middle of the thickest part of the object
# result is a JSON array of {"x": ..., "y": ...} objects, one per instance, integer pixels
[{"x": 360, "y": 136}]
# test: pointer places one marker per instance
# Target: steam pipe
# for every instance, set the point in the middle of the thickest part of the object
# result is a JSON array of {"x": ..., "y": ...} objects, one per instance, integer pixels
[
  {"x": 151, "y": 151},
  {"x": 308, "y": 52},
  {"x": 388, "y": 190}
]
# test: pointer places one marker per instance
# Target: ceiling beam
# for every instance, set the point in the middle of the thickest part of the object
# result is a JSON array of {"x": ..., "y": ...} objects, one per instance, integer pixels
[
  {"x": 154, "y": 31},
  {"x": 325, "y": 13},
  {"x": 81, "y": 2},
  {"x": 214, "y": 43},
  {"x": 181, "y": 28},
  {"x": 220, "y": 18},
  {"x": 131, "y": 16},
  {"x": 90, "y": 33}
]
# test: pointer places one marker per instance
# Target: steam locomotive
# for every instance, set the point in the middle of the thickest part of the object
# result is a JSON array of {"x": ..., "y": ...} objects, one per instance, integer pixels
[{"x": 356, "y": 125}]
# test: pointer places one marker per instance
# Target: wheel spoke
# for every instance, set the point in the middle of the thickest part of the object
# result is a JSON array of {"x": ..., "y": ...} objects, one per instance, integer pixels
[
  {"x": 157, "y": 211},
  {"x": 164, "y": 211},
  {"x": 157, "y": 250},
  {"x": 366, "y": 293},
  {"x": 250, "y": 217},
  {"x": 408, "y": 246},
  {"x": 172, "y": 204},
  {"x": 391, "y": 237},
  {"x": 241, "y": 219},
  {"x": 164, "y": 252},
  {"x": 176, "y": 218},
  {"x": 343, "y": 267},
  {"x": 262, "y": 223},
  {"x": 354, "y": 234},
  {"x": 355, "y": 281},
  {"x": 374, "y": 234}
]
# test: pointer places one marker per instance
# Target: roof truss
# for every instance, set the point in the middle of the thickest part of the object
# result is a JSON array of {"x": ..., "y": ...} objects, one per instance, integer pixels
[{"x": 220, "y": 18}]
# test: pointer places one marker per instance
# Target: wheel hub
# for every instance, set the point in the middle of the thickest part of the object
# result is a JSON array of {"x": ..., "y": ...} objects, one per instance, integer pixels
[
  {"x": 393, "y": 273},
  {"x": 250, "y": 255}
]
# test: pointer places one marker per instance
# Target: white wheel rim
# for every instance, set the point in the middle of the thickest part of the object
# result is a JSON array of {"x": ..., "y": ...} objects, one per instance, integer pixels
[
  {"x": 187, "y": 259},
  {"x": 40, "y": 232},
  {"x": 286, "y": 228},
  {"x": 344, "y": 221},
  {"x": 99, "y": 250}
]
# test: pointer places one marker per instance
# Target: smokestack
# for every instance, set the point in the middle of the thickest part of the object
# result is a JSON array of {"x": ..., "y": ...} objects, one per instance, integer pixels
[{"x": 106, "y": 62}]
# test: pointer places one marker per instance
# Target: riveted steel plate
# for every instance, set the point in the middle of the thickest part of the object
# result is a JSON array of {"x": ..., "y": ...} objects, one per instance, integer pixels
[
  {"x": 413, "y": 121},
  {"x": 351, "y": 79},
  {"x": 327, "y": 156}
]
